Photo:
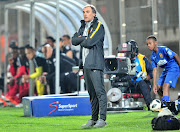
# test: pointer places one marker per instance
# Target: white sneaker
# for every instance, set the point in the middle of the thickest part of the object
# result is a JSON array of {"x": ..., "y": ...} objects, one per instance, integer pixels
[
  {"x": 4, "y": 98},
  {"x": 100, "y": 123},
  {"x": 19, "y": 105},
  {"x": 90, "y": 123}
]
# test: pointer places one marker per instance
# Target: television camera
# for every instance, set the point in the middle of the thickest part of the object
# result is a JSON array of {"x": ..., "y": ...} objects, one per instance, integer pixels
[{"x": 121, "y": 70}]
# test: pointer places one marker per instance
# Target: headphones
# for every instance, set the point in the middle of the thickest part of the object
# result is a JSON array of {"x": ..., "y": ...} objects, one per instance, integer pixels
[{"x": 134, "y": 45}]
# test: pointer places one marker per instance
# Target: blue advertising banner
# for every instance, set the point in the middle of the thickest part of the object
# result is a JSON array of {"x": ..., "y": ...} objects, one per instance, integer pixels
[{"x": 57, "y": 106}]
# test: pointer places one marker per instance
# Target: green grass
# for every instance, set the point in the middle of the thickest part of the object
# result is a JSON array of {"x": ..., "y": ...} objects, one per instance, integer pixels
[{"x": 13, "y": 120}]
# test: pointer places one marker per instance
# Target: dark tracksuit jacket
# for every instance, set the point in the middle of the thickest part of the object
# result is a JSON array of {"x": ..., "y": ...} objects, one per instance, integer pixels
[
  {"x": 94, "y": 42},
  {"x": 94, "y": 65}
]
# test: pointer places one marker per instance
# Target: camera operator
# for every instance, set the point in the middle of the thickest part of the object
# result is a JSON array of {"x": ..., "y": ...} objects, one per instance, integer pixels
[{"x": 143, "y": 73}]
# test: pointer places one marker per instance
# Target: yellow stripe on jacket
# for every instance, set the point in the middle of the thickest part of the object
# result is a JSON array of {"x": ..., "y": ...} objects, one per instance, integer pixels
[
  {"x": 99, "y": 24},
  {"x": 142, "y": 63}
]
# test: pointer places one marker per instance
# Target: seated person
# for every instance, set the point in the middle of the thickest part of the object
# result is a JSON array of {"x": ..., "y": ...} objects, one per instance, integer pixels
[
  {"x": 39, "y": 65},
  {"x": 50, "y": 40},
  {"x": 13, "y": 58},
  {"x": 11, "y": 71},
  {"x": 20, "y": 88},
  {"x": 68, "y": 49},
  {"x": 143, "y": 73},
  {"x": 66, "y": 82}
]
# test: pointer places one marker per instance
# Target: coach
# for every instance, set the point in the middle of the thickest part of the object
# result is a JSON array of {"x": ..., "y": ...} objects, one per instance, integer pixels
[{"x": 91, "y": 37}]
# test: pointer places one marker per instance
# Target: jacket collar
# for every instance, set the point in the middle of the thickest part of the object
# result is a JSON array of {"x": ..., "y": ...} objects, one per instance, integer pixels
[{"x": 94, "y": 21}]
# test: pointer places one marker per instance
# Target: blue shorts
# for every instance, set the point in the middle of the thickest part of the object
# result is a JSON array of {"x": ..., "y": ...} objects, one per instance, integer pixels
[{"x": 169, "y": 77}]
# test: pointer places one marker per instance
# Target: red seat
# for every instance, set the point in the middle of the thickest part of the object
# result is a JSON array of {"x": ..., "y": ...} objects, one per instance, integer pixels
[{"x": 133, "y": 95}]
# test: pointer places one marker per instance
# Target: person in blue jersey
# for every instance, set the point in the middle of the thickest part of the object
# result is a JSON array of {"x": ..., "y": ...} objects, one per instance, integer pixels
[
  {"x": 143, "y": 73},
  {"x": 165, "y": 58}
]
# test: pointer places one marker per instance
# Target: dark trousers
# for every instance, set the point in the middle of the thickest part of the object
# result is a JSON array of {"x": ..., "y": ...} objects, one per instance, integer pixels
[
  {"x": 143, "y": 86},
  {"x": 94, "y": 80},
  {"x": 51, "y": 83}
]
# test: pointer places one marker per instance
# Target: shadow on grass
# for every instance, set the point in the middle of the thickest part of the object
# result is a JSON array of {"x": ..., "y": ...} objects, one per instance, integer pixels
[
  {"x": 85, "y": 129},
  {"x": 25, "y": 116},
  {"x": 150, "y": 115}
]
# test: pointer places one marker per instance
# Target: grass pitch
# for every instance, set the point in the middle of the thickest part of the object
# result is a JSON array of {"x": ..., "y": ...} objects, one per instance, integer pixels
[{"x": 13, "y": 120}]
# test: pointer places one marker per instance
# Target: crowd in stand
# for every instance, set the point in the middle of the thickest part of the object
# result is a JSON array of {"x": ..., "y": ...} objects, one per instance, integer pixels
[{"x": 44, "y": 63}]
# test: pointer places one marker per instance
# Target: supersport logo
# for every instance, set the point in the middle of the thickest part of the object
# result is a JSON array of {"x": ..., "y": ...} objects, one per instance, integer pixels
[{"x": 53, "y": 105}]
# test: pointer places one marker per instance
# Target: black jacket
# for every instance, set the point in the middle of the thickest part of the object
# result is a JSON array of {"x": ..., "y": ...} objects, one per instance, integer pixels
[
  {"x": 94, "y": 42},
  {"x": 67, "y": 77},
  {"x": 39, "y": 61},
  {"x": 66, "y": 65}
]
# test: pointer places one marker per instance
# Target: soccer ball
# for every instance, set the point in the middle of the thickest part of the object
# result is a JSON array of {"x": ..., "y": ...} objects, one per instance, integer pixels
[{"x": 155, "y": 104}]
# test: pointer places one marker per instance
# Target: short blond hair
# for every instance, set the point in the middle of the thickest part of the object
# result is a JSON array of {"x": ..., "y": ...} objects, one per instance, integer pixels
[{"x": 92, "y": 7}]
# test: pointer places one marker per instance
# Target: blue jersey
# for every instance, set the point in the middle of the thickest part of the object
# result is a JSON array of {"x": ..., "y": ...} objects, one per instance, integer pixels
[{"x": 164, "y": 58}]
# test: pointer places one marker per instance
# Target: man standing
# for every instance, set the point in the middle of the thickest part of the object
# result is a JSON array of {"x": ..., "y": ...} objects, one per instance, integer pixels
[{"x": 91, "y": 37}]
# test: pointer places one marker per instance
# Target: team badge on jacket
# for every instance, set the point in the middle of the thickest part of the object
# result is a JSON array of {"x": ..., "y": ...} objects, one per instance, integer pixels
[{"x": 161, "y": 55}]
